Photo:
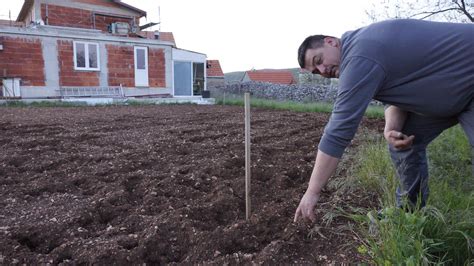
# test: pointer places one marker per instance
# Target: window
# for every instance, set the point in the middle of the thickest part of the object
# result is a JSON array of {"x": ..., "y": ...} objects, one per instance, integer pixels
[
  {"x": 141, "y": 59},
  {"x": 86, "y": 56}
]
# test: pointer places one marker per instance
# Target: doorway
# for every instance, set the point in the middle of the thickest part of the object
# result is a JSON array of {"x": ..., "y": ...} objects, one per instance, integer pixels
[
  {"x": 188, "y": 78},
  {"x": 141, "y": 66}
]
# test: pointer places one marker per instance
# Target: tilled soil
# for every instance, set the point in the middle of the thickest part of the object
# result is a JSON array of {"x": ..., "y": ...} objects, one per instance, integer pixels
[{"x": 164, "y": 185}]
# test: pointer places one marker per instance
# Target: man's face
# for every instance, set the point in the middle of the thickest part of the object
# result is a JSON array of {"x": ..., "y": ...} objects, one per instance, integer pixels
[{"x": 324, "y": 60}]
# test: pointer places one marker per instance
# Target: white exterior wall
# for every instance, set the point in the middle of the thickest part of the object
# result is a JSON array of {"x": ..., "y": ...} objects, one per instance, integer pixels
[
  {"x": 104, "y": 70},
  {"x": 184, "y": 55},
  {"x": 188, "y": 56}
]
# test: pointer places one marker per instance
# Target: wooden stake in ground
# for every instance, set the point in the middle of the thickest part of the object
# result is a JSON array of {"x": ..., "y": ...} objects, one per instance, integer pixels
[{"x": 247, "y": 155}]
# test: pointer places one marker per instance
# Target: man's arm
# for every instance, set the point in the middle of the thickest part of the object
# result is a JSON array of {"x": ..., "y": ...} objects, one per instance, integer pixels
[
  {"x": 358, "y": 84},
  {"x": 324, "y": 167},
  {"x": 394, "y": 120}
]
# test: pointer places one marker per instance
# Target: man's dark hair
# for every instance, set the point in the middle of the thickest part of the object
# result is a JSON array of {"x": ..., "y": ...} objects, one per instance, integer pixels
[{"x": 311, "y": 42}]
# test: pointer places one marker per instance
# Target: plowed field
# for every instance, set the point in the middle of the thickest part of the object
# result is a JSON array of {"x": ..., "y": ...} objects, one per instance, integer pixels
[{"x": 163, "y": 184}]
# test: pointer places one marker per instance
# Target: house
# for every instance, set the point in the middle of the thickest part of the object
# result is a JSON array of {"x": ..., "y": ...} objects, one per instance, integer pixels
[
  {"x": 74, "y": 48},
  {"x": 284, "y": 77},
  {"x": 215, "y": 76}
]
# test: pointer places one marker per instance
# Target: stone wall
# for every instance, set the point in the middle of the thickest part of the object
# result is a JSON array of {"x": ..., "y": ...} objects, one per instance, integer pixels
[
  {"x": 213, "y": 82},
  {"x": 296, "y": 93}
]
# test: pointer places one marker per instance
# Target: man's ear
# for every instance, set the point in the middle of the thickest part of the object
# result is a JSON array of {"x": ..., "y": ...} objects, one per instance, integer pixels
[{"x": 331, "y": 41}]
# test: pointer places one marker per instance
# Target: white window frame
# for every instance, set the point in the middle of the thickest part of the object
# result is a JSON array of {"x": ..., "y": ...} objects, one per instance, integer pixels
[{"x": 86, "y": 51}]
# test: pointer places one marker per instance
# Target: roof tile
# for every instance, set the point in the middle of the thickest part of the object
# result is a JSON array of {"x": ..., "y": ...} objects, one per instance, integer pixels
[{"x": 214, "y": 69}]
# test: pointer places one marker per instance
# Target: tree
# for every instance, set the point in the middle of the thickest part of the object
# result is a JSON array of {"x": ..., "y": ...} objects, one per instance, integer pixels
[{"x": 438, "y": 10}]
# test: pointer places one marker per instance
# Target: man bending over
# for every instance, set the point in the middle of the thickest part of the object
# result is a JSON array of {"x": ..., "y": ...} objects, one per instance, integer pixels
[{"x": 424, "y": 73}]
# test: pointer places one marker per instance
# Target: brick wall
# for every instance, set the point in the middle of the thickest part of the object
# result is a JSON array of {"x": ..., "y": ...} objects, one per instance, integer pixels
[
  {"x": 67, "y": 17},
  {"x": 120, "y": 65},
  {"x": 23, "y": 58},
  {"x": 156, "y": 67},
  {"x": 67, "y": 75},
  {"x": 78, "y": 18}
]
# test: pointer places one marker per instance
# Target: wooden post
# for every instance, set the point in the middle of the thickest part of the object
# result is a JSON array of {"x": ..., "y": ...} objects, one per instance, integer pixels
[{"x": 247, "y": 155}]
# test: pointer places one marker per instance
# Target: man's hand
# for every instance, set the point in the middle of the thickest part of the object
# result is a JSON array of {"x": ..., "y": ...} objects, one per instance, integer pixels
[
  {"x": 306, "y": 208},
  {"x": 399, "y": 140}
]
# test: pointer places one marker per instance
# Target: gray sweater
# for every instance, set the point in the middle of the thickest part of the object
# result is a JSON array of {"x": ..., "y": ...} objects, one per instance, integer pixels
[{"x": 420, "y": 66}]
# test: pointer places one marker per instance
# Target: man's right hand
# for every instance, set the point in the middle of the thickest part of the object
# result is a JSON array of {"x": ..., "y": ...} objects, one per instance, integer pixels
[
  {"x": 399, "y": 140},
  {"x": 306, "y": 208}
]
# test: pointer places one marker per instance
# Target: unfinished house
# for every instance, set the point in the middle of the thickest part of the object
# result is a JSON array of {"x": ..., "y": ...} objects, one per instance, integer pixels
[{"x": 93, "y": 48}]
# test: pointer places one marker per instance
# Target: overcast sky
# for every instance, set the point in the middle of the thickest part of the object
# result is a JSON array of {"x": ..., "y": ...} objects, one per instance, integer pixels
[{"x": 245, "y": 34}]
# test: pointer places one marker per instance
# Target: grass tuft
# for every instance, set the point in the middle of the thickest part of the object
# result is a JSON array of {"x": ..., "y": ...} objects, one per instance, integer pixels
[
  {"x": 440, "y": 233},
  {"x": 317, "y": 107}
]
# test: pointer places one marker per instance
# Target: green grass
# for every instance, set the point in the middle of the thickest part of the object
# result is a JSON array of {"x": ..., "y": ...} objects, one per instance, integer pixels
[
  {"x": 374, "y": 170},
  {"x": 318, "y": 107},
  {"x": 440, "y": 233},
  {"x": 41, "y": 104}
]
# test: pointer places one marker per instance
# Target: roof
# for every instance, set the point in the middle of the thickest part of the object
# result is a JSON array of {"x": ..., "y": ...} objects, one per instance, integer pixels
[
  {"x": 141, "y": 12},
  {"x": 5, "y": 22},
  {"x": 29, "y": 3},
  {"x": 164, "y": 36},
  {"x": 167, "y": 37},
  {"x": 24, "y": 9},
  {"x": 272, "y": 76},
  {"x": 214, "y": 68},
  {"x": 185, "y": 50}
]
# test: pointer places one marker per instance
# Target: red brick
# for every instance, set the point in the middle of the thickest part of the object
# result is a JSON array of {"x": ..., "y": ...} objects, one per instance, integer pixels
[
  {"x": 67, "y": 17},
  {"x": 157, "y": 68},
  {"x": 68, "y": 76},
  {"x": 119, "y": 59},
  {"x": 23, "y": 57}
]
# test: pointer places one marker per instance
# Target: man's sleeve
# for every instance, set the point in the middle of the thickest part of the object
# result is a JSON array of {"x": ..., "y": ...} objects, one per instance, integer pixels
[{"x": 359, "y": 82}]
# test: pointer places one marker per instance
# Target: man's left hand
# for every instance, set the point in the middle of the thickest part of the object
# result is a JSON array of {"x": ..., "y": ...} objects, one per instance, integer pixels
[{"x": 399, "y": 140}]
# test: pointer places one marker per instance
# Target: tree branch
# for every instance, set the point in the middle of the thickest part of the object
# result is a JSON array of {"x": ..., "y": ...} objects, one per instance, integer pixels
[
  {"x": 468, "y": 15},
  {"x": 462, "y": 5},
  {"x": 452, "y": 10},
  {"x": 431, "y": 13},
  {"x": 464, "y": 10}
]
